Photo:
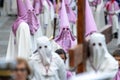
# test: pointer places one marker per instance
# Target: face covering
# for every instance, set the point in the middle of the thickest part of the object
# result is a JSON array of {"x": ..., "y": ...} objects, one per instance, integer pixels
[{"x": 44, "y": 50}]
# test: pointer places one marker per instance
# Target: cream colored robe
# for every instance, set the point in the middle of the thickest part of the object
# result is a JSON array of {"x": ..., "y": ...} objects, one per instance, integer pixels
[
  {"x": 99, "y": 16},
  {"x": 25, "y": 42},
  {"x": 56, "y": 71},
  {"x": 47, "y": 18},
  {"x": 19, "y": 45}
]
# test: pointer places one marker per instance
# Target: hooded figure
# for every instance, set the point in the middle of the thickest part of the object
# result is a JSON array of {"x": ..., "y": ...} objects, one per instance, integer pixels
[
  {"x": 89, "y": 21},
  {"x": 47, "y": 60},
  {"x": 71, "y": 16},
  {"x": 19, "y": 41},
  {"x": 65, "y": 38},
  {"x": 113, "y": 10},
  {"x": 21, "y": 37},
  {"x": 98, "y": 13},
  {"x": 100, "y": 59},
  {"x": 45, "y": 10},
  {"x": 34, "y": 23}
]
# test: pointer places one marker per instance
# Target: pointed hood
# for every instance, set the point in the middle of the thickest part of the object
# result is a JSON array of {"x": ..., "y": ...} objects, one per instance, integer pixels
[
  {"x": 37, "y": 6},
  {"x": 64, "y": 22},
  {"x": 71, "y": 14},
  {"x": 22, "y": 15},
  {"x": 32, "y": 20},
  {"x": 89, "y": 21},
  {"x": 28, "y": 5},
  {"x": 65, "y": 38},
  {"x": 21, "y": 8}
]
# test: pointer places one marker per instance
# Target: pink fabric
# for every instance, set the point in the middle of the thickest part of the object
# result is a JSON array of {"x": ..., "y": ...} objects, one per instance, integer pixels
[
  {"x": 22, "y": 16},
  {"x": 89, "y": 21},
  {"x": 65, "y": 38},
  {"x": 95, "y": 3},
  {"x": 117, "y": 77},
  {"x": 69, "y": 75},
  {"x": 71, "y": 14},
  {"x": 38, "y": 5},
  {"x": 27, "y": 14},
  {"x": 108, "y": 6},
  {"x": 32, "y": 18}
]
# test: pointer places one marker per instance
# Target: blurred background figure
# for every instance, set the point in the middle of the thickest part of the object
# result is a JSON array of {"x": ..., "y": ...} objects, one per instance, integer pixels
[
  {"x": 112, "y": 9},
  {"x": 6, "y": 69},
  {"x": 10, "y": 7},
  {"x": 22, "y": 70}
]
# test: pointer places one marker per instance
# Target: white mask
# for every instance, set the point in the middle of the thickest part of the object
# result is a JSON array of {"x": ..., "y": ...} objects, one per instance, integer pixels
[
  {"x": 44, "y": 49},
  {"x": 98, "y": 49}
]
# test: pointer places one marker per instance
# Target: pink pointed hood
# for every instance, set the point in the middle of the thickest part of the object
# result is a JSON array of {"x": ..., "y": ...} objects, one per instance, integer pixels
[
  {"x": 89, "y": 21},
  {"x": 65, "y": 38},
  {"x": 21, "y": 8},
  {"x": 37, "y": 4},
  {"x": 71, "y": 14},
  {"x": 22, "y": 15},
  {"x": 32, "y": 18}
]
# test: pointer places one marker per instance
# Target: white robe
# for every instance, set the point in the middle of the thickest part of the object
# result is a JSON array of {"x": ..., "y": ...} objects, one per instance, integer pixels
[
  {"x": 100, "y": 60},
  {"x": 24, "y": 40},
  {"x": 113, "y": 19},
  {"x": 19, "y": 45},
  {"x": 74, "y": 26},
  {"x": 54, "y": 45},
  {"x": 56, "y": 70},
  {"x": 46, "y": 19},
  {"x": 99, "y": 16}
]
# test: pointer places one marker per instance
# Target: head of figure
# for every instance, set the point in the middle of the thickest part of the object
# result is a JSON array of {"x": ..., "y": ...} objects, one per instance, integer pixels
[
  {"x": 44, "y": 50},
  {"x": 22, "y": 70},
  {"x": 62, "y": 54},
  {"x": 98, "y": 49}
]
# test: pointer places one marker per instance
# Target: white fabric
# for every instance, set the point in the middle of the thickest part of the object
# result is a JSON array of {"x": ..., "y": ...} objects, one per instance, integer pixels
[
  {"x": 73, "y": 26},
  {"x": 10, "y": 7},
  {"x": 46, "y": 58},
  {"x": 19, "y": 45},
  {"x": 99, "y": 16},
  {"x": 100, "y": 59},
  {"x": 115, "y": 20},
  {"x": 50, "y": 27},
  {"x": 115, "y": 25},
  {"x": 93, "y": 76},
  {"x": 46, "y": 19},
  {"x": 44, "y": 49},
  {"x": 56, "y": 71},
  {"x": 54, "y": 45}
]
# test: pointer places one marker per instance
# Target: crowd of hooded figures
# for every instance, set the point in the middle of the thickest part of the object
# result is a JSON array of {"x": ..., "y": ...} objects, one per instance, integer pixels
[{"x": 45, "y": 30}]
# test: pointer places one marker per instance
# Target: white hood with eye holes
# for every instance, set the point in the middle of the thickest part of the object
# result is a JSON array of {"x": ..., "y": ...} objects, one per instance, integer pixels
[
  {"x": 44, "y": 49},
  {"x": 100, "y": 60}
]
